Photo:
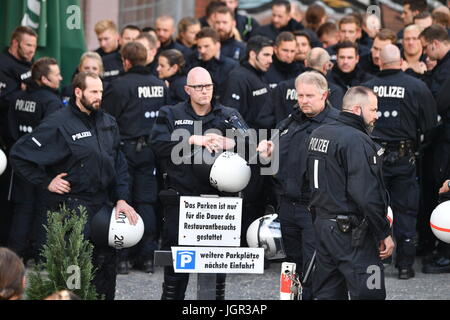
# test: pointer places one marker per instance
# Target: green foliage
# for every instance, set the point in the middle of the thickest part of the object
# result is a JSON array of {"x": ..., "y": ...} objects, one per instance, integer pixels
[{"x": 67, "y": 258}]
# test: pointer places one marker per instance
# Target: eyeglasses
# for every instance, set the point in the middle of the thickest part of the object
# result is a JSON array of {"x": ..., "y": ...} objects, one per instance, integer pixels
[{"x": 200, "y": 87}]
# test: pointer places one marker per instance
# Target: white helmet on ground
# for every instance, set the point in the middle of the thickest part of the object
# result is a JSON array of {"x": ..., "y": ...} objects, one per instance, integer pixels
[
  {"x": 119, "y": 234},
  {"x": 3, "y": 162},
  {"x": 265, "y": 232},
  {"x": 440, "y": 221}
]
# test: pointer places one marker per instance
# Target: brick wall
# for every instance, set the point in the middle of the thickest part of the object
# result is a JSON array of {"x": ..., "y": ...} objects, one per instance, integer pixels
[{"x": 200, "y": 7}]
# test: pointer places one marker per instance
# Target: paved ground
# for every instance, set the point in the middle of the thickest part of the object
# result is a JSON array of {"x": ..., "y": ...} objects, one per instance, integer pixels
[{"x": 141, "y": 286}]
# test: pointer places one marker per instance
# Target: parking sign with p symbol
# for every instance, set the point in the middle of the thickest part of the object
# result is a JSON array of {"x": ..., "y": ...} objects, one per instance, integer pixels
[{"x": 185, "y": 259}]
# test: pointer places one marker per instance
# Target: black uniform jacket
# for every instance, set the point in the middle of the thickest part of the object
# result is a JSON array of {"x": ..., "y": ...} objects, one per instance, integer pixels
[
  {"x": 406, "y": 106},
  {"x": 29, "y": 107},
  {"x": 246, "y": 91},
  {"x": 345, "y": 173},
  {"x": 181, "y": 118},
  {"x": 134, "y": 99},
  {"x": 293, "y": 151},
  {"x": 84, "y": 146}
]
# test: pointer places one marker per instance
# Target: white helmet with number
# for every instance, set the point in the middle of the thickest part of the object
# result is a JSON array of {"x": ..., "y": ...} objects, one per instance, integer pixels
[
  {"x": 440, "y": 221},
  {"x": 119, "y": 234},
  {"x": 229, "y": 173},
  {"x": 265, "y": 232},
  {"x": 3, "y": 162}
]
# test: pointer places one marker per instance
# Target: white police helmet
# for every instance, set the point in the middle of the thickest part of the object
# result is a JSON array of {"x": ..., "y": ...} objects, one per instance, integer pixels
[
  {"x": 265, "y": 232},
  {"x": 440, "y": 221},
  {"x": 119, "y": 234},
  {"x": 229, "y": 173},
  {"x": 3, "y": 162}
]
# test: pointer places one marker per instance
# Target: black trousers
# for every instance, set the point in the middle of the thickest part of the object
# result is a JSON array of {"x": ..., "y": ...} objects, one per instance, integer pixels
[
  {"x": 104, "y": 258},
  {"x": 25, "y": 199},
  {"x": 401, "y": 181},
  {"x": 299, "y": 238},
  {"x": 143, "y": 191},
  {"x": 342, "y": 270}
]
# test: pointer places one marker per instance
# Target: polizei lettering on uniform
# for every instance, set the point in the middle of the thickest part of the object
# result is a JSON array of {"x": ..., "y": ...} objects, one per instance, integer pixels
[
  {"x": 81, "y": 135},
  {"x": 25, "y": 105},
  {"x": 260, "y": 92},
  {"x": 151, "y": 92},
  {"x": 184, "y": 122},
  {"x": 291, "y": 94},
  {"x": 389, "y": 91},
  {"x": 320, "y": 145}
]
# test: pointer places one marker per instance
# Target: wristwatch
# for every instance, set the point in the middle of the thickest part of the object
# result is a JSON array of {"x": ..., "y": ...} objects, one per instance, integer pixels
[{"x": 448, "y": 184}]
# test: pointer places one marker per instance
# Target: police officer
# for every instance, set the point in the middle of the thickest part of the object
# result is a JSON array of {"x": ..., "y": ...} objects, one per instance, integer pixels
[
  {"x": 210, "y": 57},
  {"x": 284, "y": 96},
  {"x": 223, "y": 21},
  {"x": 291, "y": 186},
  {"x": 134, "y": 100},
  {"x": 371, "y": 62},
  {"x": 26, "y": 111},
  {"x": 349, "y": 201},
  {"x": 181, "y": 179},
  {"x": 244, "y": 24},
  {"x": 246, "y": 89},
  {"x": 284, "y": 66},
  {"x": 346, "y": 73},
  {"x": 406, "y": 110},
  {"x": 171, "y": 69},
  {"x": 436, "y": 45},
  {"x": 150, "y": 44},
  {"x": 165, "y": 28},
  {"x": 15, "y": 69},
  {"x": 75, "y": 156}
]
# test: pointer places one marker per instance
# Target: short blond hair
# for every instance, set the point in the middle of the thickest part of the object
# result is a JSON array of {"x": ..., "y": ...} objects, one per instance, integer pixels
[
  {"x": 104, "y": 25},
  {"x": 95, "y": 56},
  {"x": 313, "y": 77}
]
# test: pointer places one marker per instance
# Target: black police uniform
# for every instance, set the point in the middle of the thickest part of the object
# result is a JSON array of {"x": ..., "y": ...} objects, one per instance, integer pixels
[
  {"x": 233, "y": 48},
  {"x": 347, "y": 80},
  {"x": 439, "y": 74},
  {"x": 346, "y": 182},
  {"x": 134, "y": 99},
  {"x": 176, "y": 88},
  {"x": 406, "y": 109},
  {"x": 181, "y": 179},
  {"x": 293, "y": 190},
  {"x": 171, "y": 44},
  {"x": 26, "y": 111},
  {"x": 219, "y": 70},
  {"x": 87, "y": 148},
  {"x": 366, "y": 64},
  {"x": 284, "y": 98},
  {"x": 13, "y": 72},
  {"x": 246, "y": 91},
  {"x": 112, "y": 65},
  {"x": 281, "y": 71},
  {"x": 439, "y": 160}
]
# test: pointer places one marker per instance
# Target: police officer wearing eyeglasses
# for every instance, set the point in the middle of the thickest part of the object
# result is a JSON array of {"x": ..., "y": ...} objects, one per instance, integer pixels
[{"x": 178, "y": 128}]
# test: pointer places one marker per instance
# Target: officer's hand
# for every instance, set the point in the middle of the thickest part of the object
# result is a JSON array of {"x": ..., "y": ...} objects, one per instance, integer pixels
[
  {"x": 386, "y": 247},
  {"x": 123, "y": 207},
  {"x": 444, "y": 187},
  {"x": 220, "y": 142},
  {"x": 59, "y": 185},
  {"x": 265, "y": 148}
]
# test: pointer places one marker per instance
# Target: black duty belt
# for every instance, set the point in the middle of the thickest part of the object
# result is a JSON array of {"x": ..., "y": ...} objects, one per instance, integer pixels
[{"x": 395, "y": 150}]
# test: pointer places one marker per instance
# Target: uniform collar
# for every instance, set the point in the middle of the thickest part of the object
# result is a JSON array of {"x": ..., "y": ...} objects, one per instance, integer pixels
[
  {"x": 389, "y": 72},
  {"x": 353, "y": 120},
  {"x": 248, "y": 66},
  {"x": 22, "y": 62},
  {"x": 214, "y": 109},
  {"x": 139, "y": 70},
  {"x": 300, "y": 116}
]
